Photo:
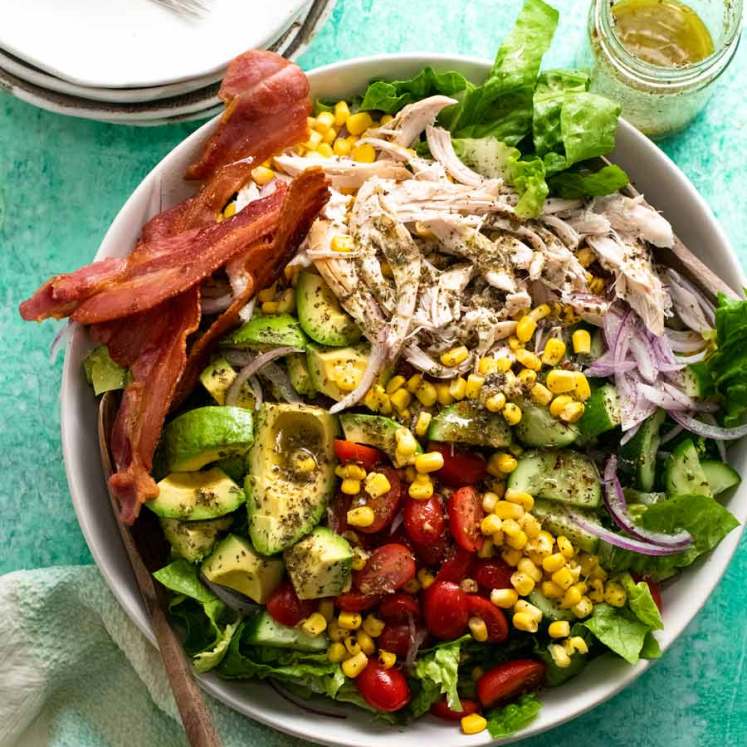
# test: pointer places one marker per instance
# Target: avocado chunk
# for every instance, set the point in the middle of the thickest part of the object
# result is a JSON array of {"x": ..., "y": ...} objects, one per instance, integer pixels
[
  {"x": 195, "y": 496},
  {"x": 320, "y": 314},
  {"x": 538, "y": 427},
  {"x": 267, "y": 331},
  {"x": 237, "y": 565},
  {"x": 298, "y": 373},
  {"x": 320, "y": 565},
  {"x": 336, "y": 371},
  {"x": 193, "y": 540},
  {"x": 467, "y": 423},
  {"x": 217, "y": 378},
  {"x": 291, "y": 474},
  {"x": 102, "y": 373},
  {"x": 373, "y": 430},
  {"x": 205, "y": 435},
  {"x": 262, "y": 630}
]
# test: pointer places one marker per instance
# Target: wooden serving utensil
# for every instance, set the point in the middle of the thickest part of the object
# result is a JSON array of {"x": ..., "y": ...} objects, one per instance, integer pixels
[{"x": 144, "y": 545}]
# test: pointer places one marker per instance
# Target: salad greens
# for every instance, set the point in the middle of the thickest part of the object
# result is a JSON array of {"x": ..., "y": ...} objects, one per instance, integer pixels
[
  {"x": 438, "y": 672},
  {"x": 619, "y": 630},
  {"x": 389, "y": 96},
  {"x": 505, "y": 721}
]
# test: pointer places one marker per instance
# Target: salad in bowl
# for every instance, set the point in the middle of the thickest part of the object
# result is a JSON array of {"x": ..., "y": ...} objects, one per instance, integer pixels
[{"x": 423, "y": 415}]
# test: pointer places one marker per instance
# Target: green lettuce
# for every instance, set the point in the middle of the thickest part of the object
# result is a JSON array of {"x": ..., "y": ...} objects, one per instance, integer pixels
[
  {"x": 641, "y": 603},
  {"x": 553, "y": 89},
  {"x": 437, "y": 672},
  {"x": 102, "y": 373},
  {"x": 505, "y": 721},
  {"x": 728, "y": 366},
  {"x": 573, "y": 185},
  {"x": 619, "y": 630},
  {"x": 502, "y": 105},
  {"x": 707, "y": 521},
  {"x": 390, "y": 96}
]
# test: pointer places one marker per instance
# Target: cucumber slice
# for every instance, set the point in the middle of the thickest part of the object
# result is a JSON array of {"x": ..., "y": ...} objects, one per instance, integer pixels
[
  {"x": 721, "y": 477},
  {"x": 638, "y": 456},
  {"x": 683, "y": 473},
  {"x": 602, "y": 412},
  {"x": 554, "y": 518},
  {"x": 320, "y": 314},
  {"x": 558, "y": 475},
  {"x": 540, "y": 429},
  {"x": 467, "y": 423},
  {"x": 262, "y": 630},
  {"x": 550, "y": 608},
  {"x": 647, "y": 499}
]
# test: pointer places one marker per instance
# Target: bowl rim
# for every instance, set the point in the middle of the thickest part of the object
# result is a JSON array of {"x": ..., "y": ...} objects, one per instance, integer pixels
[{"x": 129, "y": 599}]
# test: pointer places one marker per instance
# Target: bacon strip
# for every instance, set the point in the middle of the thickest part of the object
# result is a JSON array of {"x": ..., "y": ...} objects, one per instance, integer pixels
[
  {"x": 306, "y": 196},
  {"x": 267, "y": 102}
]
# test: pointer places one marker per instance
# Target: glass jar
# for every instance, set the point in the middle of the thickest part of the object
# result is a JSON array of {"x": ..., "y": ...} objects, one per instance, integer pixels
[{"x": 659, "y": 100}]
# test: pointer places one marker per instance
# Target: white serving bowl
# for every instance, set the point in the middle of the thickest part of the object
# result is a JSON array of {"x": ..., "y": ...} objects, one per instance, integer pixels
[{"x": 664, "y": 185}]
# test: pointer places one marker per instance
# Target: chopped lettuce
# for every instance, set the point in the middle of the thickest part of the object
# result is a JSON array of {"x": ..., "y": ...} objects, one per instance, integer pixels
[
  {"x": 438, "y": 673},
  {"x": 573, "y": 185},
  {"x": 390, "y": 96},
  {"x": 704, "y": 518},
  {"x": 619, "y": 630},
  {"x": 553, "y": 87},
  {"x": 507, "y": 720},
  {"x": 641, "y": 603}
]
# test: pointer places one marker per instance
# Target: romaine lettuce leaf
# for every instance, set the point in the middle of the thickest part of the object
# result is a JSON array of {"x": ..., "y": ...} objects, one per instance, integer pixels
[
  {"x": 438, "y": 672},
  {"x": 502, "y": 105},
  {"x": 704, "y": 518},
  {"x": 641, "y": 603},
  {"x": 728, "y": 366},
  {"x": 390, "y": 96},
  {"x": 573, "y": 185},
  {"x": 619, "y": 630},
  {"x": 551, "y": 92},
  {"x": 505, "y": 721}
]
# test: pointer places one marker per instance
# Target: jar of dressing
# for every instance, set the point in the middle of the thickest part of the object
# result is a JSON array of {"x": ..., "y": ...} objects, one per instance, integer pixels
[{"x": 660, "y": 58}]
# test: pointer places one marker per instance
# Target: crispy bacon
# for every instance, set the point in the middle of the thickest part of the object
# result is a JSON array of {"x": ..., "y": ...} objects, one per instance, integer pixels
[
  {"x": 306, "y": 196},
  {"x": 146, "y": 400},
  {"x": 267, "y": 102}
]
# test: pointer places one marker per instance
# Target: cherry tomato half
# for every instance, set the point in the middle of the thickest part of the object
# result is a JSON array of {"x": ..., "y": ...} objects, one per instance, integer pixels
[
  {"x": 383, "y": 689},
  {"x": 460, "y": 467},
  {"x": 445, "y": 608},
  {"x": 492, "y": 573},
  {"x": 395, "y": 638},
  {"x": 457, "y": 566},
  {"x": 384, "y": 506},
  {"x": 508, "y": 680},
  {"x": 389, "y": 568},
  {"x": 338, "y": 512},
  {"x": 349, "y": 451},
  {"x": 286, "y": 608},
  {"x": 465, "y": 515},
  {"x": 354, "y": 601},
  {"x": 399, "y": 608},
  {"x": 424, "y": 520},
  {"x": 441, "y": 709},
  {"x": 494, "y": 619}
]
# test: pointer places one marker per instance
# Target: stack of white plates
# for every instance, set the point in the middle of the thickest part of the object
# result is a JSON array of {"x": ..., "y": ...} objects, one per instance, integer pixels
[{"x": 140, "y": 62}]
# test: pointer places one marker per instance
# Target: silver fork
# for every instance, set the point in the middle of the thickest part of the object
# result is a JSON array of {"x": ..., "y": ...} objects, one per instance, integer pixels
[{"x": 194, "y": 8}]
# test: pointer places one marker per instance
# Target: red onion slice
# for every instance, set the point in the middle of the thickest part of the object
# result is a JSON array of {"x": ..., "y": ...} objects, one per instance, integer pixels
[
  {"x": 279, "y": 379},
  {"x": 253, "y": 367},
  {"x": 716, "y": 432}
]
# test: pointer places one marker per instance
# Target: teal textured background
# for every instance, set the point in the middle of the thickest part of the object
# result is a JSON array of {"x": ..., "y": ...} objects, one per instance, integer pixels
[{"x": 63, "y": 180}]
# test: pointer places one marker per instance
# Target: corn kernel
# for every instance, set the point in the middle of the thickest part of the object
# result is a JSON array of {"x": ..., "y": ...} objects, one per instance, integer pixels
[
  {"x": 305, "y": 465},
  {"x": 504, "y": 598},
  {"x": 412, "y": 586},
  {"x": 270, "y": 307},
  {"x": 585, "y": 257},
  {"x": 401, "y": 399},
  {"x": 362, "y": 516},
  {"x": 315, "y": 624},
  {"x": 506, "y": 463},
  {"x": 558, "y": 404},
  {"x": 350, "y": 487},
  {"x": 528, "y": 359},
  {"x": 414, "y": 382},
  {"x": 578, "y": 644},
  {"x": 581, "y": 340},
  {"x": 405, "y": 441},
  {"x": 377, "y": 484},
  {"x": 514, "y": 343},
  {"x": 525, "y": 328},
  {"x": 366, "y": 642},
  {"x": 560, "y": 381},
  {"x": 329, "y": 136},
  {"x": 349, "y": 620},
  {"x": 474, "y": 385},
  {"x": 230, "y": 210},
  {"x": 353, "y": 666},
  {"x": 423, "y": 423},
  {"x": 342, "y": 112},
  {"x": 504, "y": 362},
  {"x": 421, "y": 490},
  {"x": 455, "y": 356},
  {"x": 358, "y": 123},
  {"x": 540, "y": 394},
  {"x": 287, "y": 302},
  {"x": 373, "y": 626},
  {"x": 335, "y": 632},
  {"x": 478, "y": 629},
  {"x": 527, "y": 566},
  {"x": 572, "y": 412},
  {"x": 425, "y": 577},
  {"x": 530, "y": 524},
  {"x": 427, "y": 394},
  {"x": 571, "y": 598},
  {"x": 559, "y": 655},
  {"x": 364, "y": 153},
  {"x": 540, "y": 312},
  {"x": 553, "y": 352},
  {"x": 554, "y": 562},
  {"x": 341, "y": 147},
  {"x": 559, "y": 629},
  {"x": 525, "y": 622},
  {"x": 520, "y": 498},
  {"x": 351, "y": 471},
  {"x": 565, "y": 547},
  {"x": 597, "y": 594},
  {"x": 545, "y": 541},
  {"x": 324, "y": 121},
  {"x": 342, "y": 243},
  {"x": 583, "y": 608},
  {"x": 522, "y": 582},
  {"x": 551, "y": 590},
  {"x": 351, "y": 646},
  {"x": 518, "y": 541},
  {"x": 443, "y": 395},
  {"x": 458, "y": 388},
  {"x": 512, "y": 557},
  {"x": 562, "y": 577},
  {"x": 489, "y": 500},
  {"x": 325, "y": 150},
  {"x": 583, "y": 390},
  {"x": 336, "y": 652},
  {"x": 487, "y": 366},
  {"x": 267, "y": 294},
  {"x": 490, "y": 524},
  {"x": 352, "y": 139},
  {"x": 599, "y": 572},
  {"x": 511, "y": 512},
  {"x": 496, "y": 402},
  {"x": 387, "y": 659},
  {"x": 487, "y": 548},
  {"x": 614, "y": 594},
  {"x": 315, "y": 139},
  {"x": 512, "y": 413},
  {"x": 395, "y": 383},
  {"x": 473, "y": 724},
  {"x": 326, "y": 609},
  {"x": 262, "y": 175},
  {"x": 527, "y": 377},
  {"x": 432, "y": 461}
]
